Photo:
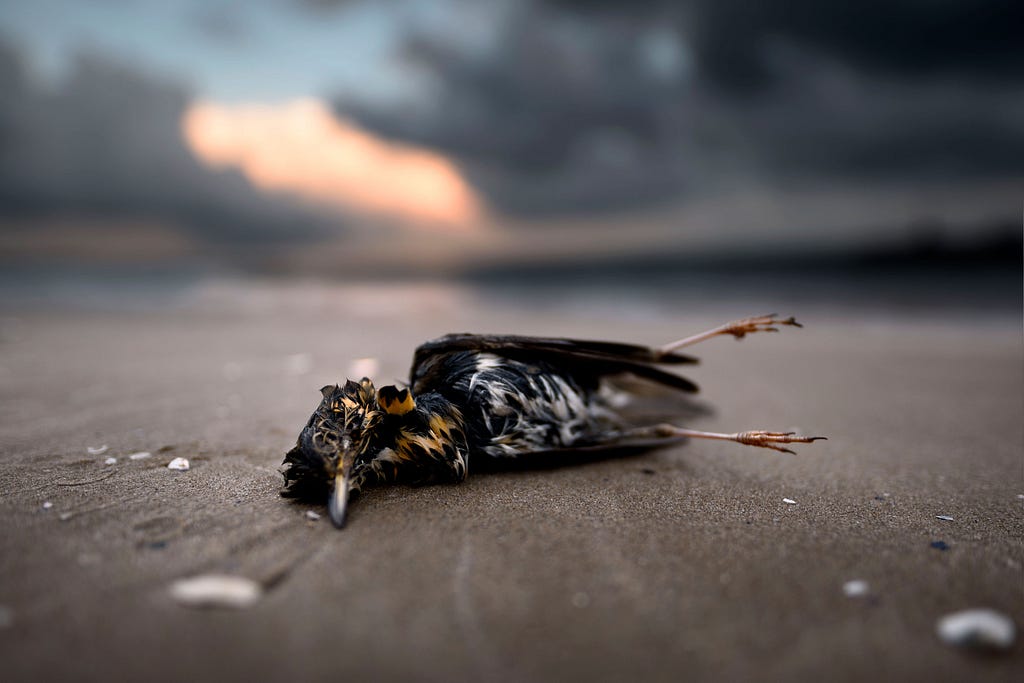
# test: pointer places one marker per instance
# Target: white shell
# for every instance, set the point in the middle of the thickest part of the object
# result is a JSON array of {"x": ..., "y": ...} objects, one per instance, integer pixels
[
  {"x": 180, "y": 464},
  {"x": 216, "y": 590},
  {"x": 98, "y": 450},
  {"x": 312, "y": 515},
  {"x": 856, "y": 589},
  {"x": 977, "y": 628},
  {"x": 789, "y": 501},
  {"x": 141, "y": 455},
  {"x": 110, "y": 461},
  {"x": 944, "y": 518}
]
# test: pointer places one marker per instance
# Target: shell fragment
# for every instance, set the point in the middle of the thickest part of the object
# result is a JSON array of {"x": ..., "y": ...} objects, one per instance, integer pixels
[
  {"x": 216, "y": 590},
  {"x": 979, "y": 629}
]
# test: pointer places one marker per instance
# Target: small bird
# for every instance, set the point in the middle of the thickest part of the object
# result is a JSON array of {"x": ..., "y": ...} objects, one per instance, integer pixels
[{"x": 475, "y": 400}]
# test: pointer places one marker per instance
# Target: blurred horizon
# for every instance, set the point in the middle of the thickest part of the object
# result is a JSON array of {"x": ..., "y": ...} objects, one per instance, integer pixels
[{"x": 496, "y": 140}]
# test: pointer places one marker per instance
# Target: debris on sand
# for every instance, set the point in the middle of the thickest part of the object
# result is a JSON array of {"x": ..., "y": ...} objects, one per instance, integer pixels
[
  {"x": 110, "y": 461},
  {"x": 312, "y": 515},
  {"x": 65, "y": 516},
  {"x": 789, "y": 501},
  {"x": 180, "y": 464},
  {"x": 944, "y": 518},
  {"x": 98, "y": 450},
  {"x": 857, "y": 588},
  {"x": 977, "y": 629},
  {"x": 940, "y": 545},
  {"x": 47, "y": 505},
  {"x": 141, "y": 455},
  {"x": 216, "y": 590}
]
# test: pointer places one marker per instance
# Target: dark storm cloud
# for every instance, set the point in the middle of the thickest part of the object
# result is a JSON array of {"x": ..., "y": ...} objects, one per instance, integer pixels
[
  {"x": 106, "y": 141},
  {"x": 909, "y": 38},
  {"x": 579, "y": 105},
  {"x": 548, "y": 112}
]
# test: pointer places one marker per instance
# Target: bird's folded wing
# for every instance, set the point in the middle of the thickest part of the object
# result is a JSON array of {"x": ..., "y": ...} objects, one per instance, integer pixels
[{"x": 597, "y": 358}]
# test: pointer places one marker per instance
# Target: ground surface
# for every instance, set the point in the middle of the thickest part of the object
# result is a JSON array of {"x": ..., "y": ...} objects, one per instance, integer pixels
[{"x": 679, "y": 565}]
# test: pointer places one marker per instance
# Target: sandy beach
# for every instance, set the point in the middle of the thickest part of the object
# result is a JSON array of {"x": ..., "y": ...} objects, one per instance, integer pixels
[{"x": 683, "y": 564}]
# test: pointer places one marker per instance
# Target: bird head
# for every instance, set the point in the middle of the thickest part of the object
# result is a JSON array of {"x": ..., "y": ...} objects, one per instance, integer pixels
[{"x": 333, "y": 446}]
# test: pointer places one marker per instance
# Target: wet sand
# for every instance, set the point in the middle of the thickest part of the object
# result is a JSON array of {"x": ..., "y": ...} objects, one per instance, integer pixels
[{"x": 684, "y": 564}]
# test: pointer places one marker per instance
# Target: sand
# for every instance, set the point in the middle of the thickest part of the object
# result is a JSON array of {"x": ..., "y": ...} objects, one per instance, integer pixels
[{"x": 684, "y": 564}]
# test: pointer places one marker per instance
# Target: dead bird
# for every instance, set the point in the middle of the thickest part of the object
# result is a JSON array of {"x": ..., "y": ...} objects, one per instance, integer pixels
[{"x": 475, "y": 398}]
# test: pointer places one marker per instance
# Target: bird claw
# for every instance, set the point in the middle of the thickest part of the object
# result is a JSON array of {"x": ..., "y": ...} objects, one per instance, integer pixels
[
  {"x": 761, "y": 323},
  {"x": 766, "y": 439}
]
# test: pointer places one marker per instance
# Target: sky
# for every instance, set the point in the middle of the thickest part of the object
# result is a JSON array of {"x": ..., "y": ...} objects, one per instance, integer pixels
[{"x": 443, "y": 131}]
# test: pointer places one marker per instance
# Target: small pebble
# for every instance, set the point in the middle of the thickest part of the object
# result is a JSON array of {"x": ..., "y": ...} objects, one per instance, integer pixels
[
  {"x": 98, "y": 450},
  {"x": 141, "y": 455},
  {"x": 216, "y": 590},
  {"x": 789, "y": 501},
  {"x": 855, "y": 589},
  {"x": 110, "y": 461},
  {"x": 47, "y": 505},
  {"x": 944, "y": 518},
  {"x": 312, "y": 515},
  {"x": 940, "y": 545},
  {"x": 979, "y": 629},
  {"x": 180, "y": 464}
]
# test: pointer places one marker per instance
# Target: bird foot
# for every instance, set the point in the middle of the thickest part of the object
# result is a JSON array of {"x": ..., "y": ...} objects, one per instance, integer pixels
[
  {"x": 762, "y": 323},
  {"x": 758, "y": 437},
  {"x": 765, "y": 439},
  {"x": 737, "y": 328}
]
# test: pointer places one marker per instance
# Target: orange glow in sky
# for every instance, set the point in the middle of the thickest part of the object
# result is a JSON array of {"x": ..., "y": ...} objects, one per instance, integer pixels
[{"x": 301, "y": 147}]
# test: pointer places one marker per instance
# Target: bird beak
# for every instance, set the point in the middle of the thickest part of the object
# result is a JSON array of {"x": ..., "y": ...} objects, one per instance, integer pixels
[{"x": 338, "y": 502}]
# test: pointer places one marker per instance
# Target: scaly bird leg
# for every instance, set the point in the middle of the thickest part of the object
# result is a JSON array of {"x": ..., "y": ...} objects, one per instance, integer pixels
[
  {"x": 737, "y": 328},
  {"x": 759, "y": 437}
]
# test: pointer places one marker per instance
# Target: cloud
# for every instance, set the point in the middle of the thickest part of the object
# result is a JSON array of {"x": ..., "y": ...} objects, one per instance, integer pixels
[
  {"x": 575, "y": 107},
  {"x": 105, "y": 141},
  {"x": 972, "y": 39},
  {"x": 301, "y": 147}
]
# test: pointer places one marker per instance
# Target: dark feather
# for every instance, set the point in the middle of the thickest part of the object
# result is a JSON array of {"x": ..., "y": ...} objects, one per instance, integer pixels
[{"x": 581, "y": 358}]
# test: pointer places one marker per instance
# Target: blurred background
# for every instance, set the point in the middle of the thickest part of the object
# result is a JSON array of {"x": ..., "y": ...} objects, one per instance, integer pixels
[{"x": 802, "y": 152}]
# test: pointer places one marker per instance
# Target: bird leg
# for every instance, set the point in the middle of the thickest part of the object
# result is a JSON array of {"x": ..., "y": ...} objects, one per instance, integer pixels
[
  {"x": 758, "y": 437},
  {"x": 737, "y": 328}
]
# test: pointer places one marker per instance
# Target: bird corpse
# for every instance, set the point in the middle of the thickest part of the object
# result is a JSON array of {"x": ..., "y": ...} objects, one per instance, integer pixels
[{"x": 479, "y": 398}]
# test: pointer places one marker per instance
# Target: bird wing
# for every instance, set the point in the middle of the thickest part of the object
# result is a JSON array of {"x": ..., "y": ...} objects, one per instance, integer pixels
[{"x": 593, "y": 358}]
